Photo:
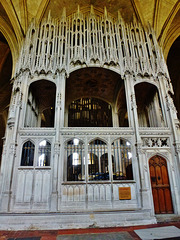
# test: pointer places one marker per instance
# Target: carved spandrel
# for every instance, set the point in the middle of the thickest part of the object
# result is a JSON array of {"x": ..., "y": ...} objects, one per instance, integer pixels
[{"x": 155, "y": 142}]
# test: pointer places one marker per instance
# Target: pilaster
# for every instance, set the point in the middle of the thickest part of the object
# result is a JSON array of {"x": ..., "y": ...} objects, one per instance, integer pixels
[
  {"x": 10, "y": 145},
  {"x": 59, "y": 122}
]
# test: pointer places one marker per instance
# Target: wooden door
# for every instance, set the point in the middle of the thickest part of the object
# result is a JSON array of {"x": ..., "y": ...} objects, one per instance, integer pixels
[{"x": 160, "y": 185}]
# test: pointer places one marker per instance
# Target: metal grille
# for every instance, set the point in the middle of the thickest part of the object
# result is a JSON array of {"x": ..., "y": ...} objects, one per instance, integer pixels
[
  {"x": 98, "y": 160},
  {"x": 121, "y": 160},
  {"x": 75, "y": 160},
  {"x": 27, "y": 154}
]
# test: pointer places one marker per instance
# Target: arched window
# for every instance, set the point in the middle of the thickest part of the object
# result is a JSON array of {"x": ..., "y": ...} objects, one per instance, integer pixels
[
  {"x": 98, "y": 160},
  {"x": 75, "y": 160},
  {"x": 27, "y": 154},
  {"x": 121, "y": 160},
  {"x": 44, "y": 153}
]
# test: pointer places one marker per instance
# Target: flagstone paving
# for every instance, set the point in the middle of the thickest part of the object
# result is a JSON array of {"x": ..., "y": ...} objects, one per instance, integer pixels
[
  {"x": 97, "y": 236},
  {"x": 115, "y": 233}
]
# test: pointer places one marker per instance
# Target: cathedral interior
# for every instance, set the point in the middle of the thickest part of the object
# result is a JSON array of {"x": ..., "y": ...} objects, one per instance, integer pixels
[
  {"x": 50, "y": 37},
  {"x": 16, "y": 16}
]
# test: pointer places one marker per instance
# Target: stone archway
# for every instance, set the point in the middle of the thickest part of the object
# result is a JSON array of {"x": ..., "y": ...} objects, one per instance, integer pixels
[
  {"x": 5, "y": 86},
  {"x": 92, "y": 85},
  {"x": 160, "y": 185}
]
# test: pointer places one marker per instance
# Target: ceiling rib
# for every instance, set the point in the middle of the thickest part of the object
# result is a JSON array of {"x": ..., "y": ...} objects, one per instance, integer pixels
[
  {"x": 168, "y": 22},
  {"x": 42, "y": 8}
]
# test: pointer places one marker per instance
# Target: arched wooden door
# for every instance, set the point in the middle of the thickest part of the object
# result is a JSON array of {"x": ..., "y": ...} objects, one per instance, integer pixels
[{"x": 160, "y": 185}]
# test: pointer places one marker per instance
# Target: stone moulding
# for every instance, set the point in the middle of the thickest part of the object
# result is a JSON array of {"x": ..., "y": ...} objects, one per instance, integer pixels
[
  {"x": 37, "y": 131},
  {"x": 154, "y": 131},
  {"x": 96, "y": 132}
]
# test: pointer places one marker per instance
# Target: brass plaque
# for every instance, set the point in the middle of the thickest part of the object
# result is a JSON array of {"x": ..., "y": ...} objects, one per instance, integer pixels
[{"x": 124, "y": 193}]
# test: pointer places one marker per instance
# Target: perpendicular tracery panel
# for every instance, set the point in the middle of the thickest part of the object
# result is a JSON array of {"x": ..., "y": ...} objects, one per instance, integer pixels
[{"x": 56, "y": 45}]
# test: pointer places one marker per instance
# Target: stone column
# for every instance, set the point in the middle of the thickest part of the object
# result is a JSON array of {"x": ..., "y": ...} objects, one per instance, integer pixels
[
  {"x": 86, "y": 167},
  {"x": 139, "y": 159},
  {"x": 24, "y": 89},
  {"x": 171, "y": 114},
  {"x": 60, "y": 102},
  {"x": 66, "y": 117},
  {"x": 127, "y": 84},
  {"x": 110, "y": 166},
  {"x": 115, "y": 118},
  {"x": 173, "y": 123},
  {"x": 59, "y": 123},
  {"x": 174, "y": 129}
]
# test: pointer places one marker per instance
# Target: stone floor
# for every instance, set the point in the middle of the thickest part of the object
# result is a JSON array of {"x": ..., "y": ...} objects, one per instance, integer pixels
[
  {"x": 118, "y": 233},
  {"x": 159, "y": 233}
]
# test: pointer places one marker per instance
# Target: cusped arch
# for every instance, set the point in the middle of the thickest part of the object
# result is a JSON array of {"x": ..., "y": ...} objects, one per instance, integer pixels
[
  {"x": 44, "y": 139},
  {"x": 97, "y": 138},
  {"x": 44, "y": 153},
  {"x": 121, "y": 138},
  {"x": 27, "y": 154},
  {"x": 75, "y": 161},
  {"x": 72, "y": 138},
  {"x": 151, "y": 155},
  {"x": 28, "y": 140}
]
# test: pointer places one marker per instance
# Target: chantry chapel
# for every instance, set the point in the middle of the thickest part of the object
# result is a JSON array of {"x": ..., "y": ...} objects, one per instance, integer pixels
[{"x": 89, "y": 113}]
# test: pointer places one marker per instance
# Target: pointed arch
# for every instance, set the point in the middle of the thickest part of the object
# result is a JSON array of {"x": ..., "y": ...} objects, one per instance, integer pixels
[
  {"x": 98, "y": 163},
  {"x": 121, "y": 159},
  {"x": 44, "y": 153},
  {"x": 74, "y": 161},
  {"x": 27, "y": 157}
]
